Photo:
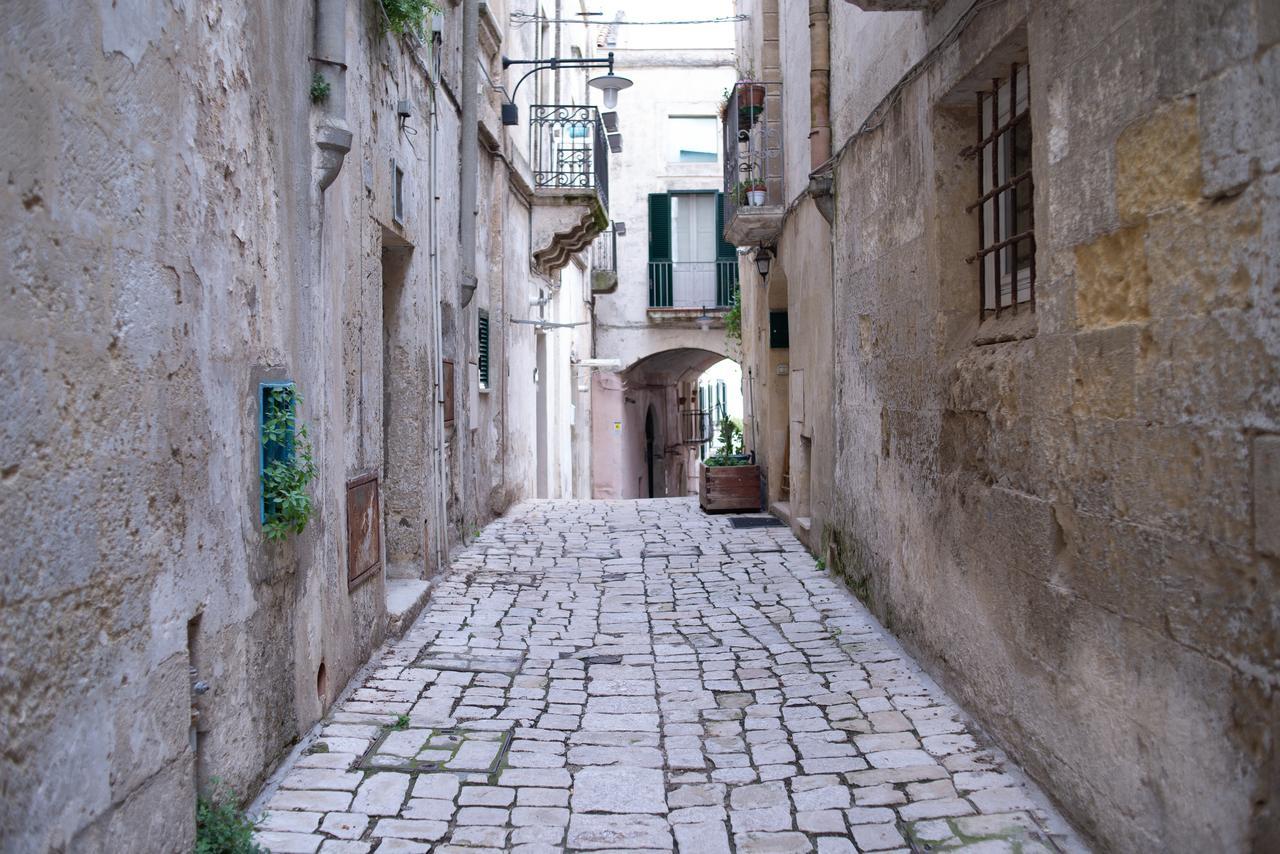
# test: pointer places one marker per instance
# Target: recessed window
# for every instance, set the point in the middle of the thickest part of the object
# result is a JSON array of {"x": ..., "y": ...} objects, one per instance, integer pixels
[
  {"x": 692, "y": 139},
  {"x": 1006, "y": 215},
  {"x": 397, "y": 193},
  {"x": 690, "y": 264}
]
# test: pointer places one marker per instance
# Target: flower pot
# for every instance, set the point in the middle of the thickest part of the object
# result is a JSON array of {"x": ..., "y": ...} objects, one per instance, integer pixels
[
  {"x": 755, "y": 198},
  {"x": 750, "y": 103},
  {"x": 729, "y": 488}
]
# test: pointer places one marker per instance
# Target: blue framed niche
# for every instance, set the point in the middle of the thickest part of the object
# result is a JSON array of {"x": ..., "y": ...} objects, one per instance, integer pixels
[{"x": 270, "y": 401}]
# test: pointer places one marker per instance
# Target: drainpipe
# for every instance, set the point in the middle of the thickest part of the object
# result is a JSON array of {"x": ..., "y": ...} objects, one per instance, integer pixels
[
  {"x": 819, "y": 83},
  {"x": 470, "y": 141},
  {"x": 333, "y": 137}
]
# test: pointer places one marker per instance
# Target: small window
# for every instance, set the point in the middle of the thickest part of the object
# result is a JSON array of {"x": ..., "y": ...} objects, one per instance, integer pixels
[
  {"x": 482, "y": 360},
  {"x": 779, "y": 331},
  {"x": 1006, "y": 216},
  {"x": 692, "y": 139},
  {"x": 397, "y": 193},
  {"x": 275, "y": 399}
]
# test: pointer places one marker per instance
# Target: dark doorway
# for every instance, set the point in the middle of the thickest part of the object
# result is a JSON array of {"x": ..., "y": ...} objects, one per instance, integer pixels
[{"x": 649, "y": 431}]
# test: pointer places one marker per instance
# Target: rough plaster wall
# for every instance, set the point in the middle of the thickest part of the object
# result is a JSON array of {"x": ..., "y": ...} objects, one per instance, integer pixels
[
  {"x": 870, "y": 51},
  {"x": 1066, "y": 526},
  {"x": 169, "y": 254},
  {"x": 793, "y": 33}
]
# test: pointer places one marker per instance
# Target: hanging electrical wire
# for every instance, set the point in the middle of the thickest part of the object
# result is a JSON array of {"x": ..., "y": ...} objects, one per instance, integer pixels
[{"x": 530, "y": 17}]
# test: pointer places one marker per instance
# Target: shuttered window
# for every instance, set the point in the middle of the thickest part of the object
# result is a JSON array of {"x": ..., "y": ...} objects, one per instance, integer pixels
[
  {"x": 666, "y": 276},
  {"x": 659, "y": 250},
  {"x": 482, "y": 360}
]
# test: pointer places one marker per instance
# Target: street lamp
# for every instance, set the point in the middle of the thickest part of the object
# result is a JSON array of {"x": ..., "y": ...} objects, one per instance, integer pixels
[
  {"x": 703, "y": 321},
  {"x": 764, "y": 257},
  {"x": 611, "y": 84}
]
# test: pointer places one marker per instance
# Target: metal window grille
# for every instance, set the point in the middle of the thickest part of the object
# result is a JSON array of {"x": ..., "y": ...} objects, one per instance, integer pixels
[
  {"x": 1006, "y": 218},
  {"x": 397, "y": 193},
  {"x": 482, "y": 360},
  {"x": 274, "y": 397}
]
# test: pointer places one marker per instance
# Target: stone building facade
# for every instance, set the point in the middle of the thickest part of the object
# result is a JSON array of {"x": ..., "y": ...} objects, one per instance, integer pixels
[
  {"x": 1066, "y": 507},
  {"x": 188, "y": 215},
  {"x": 649, "y": 322}
]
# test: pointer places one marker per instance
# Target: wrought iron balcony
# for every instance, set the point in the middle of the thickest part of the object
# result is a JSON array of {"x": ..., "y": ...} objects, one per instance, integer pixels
[
  {"x": 569, "y": 149},
  {"x": 753, "y": 163},
  {"x": 570, "y": 169},
  {"x": 604, "y": 262},
  {"x": 693, "y": 284}
]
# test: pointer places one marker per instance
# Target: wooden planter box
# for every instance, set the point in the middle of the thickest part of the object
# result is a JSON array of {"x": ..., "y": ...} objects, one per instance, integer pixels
[{"x": 729, "y": 488}]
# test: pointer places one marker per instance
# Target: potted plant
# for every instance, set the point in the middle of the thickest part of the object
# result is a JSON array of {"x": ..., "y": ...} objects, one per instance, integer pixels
[
  {"x": 730, "y": 480},
  {"x": 756, "y": 191},
  {"x": 750, "y": 98}
]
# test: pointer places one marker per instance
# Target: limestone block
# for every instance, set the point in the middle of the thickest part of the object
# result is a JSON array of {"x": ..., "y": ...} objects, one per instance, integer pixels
[
  {"x": 1158, "y": 162},
  {"x": 1104, "y": 372},
  {"x": 1112, "y": 279},
  {"x": 1240, "y": 123},
  {"x": 1266, "y": 494}
]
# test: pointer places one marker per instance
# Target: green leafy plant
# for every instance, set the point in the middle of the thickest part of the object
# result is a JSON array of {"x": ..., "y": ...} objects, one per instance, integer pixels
[
  {"x": 402, "y": 722},
  {"x": 319, "y": 88},
  {"x": 285, "y": 479},
  {"x": 732, "y": 446},
  {"x": 733, "y": 319},
  {"x": 221, "y": 826},
  {"x": 409, "y": 16}
]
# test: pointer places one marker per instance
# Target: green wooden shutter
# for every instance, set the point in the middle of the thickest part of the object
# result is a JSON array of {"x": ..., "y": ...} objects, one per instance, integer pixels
[
  {"x": 726, "y": 260},
  {"x": 482, "y": 359},
  {"x": 660, "y": 293}
]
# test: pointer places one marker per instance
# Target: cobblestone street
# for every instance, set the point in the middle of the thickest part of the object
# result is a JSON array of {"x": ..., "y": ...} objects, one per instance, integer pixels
[{"x": 640, "y": 676}]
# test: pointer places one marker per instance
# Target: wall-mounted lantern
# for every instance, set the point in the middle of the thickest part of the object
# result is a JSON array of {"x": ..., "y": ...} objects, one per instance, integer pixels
[{"x": 764, "y": 257}]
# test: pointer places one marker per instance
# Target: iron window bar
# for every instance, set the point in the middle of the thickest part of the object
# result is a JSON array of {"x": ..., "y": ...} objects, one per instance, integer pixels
[{"x": 1001, "y": 193}]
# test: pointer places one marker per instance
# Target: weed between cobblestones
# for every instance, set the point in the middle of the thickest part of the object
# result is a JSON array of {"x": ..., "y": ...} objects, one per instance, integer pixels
[{"x": 221, "y": 826}]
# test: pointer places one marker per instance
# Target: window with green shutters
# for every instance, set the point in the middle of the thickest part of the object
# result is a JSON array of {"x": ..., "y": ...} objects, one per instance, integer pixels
[
  {"x": 660, "y": 272},
  {"x": 663, "y": 280},
  {"x": 482, "y": 359}
]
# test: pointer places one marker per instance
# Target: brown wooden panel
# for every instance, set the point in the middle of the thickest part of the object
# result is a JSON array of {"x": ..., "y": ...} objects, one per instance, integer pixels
[
  {"x": 729, "y": 488},
  {"x": 364, "y": 529},
  {"x": 448, "y": 391}
]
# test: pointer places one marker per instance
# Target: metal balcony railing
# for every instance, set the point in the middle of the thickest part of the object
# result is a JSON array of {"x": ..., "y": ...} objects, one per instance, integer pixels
[
  {"x": 569, "y": 149},
  {"x": 753, "y": 161},
  {"x": 693, "y": 284},
  {"x": 695, "y": 426}
]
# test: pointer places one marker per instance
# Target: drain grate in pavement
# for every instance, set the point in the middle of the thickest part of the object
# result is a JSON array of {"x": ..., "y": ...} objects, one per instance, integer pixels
[
  {"x": 756, "y": 522},
  {"x": 424, "y": 751},
  {"x": 508, "y": 664}
]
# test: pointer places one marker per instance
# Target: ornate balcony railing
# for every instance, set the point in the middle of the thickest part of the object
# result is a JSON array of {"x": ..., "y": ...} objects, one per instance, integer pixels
[
  {"x": 753, "y": 163},
  {"x": 569, "y": 149},
  {"x": 693, "y": 284}
]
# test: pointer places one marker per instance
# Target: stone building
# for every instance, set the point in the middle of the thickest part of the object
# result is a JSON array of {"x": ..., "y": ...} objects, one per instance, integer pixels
[
  {"x": 662, "y": 321},
  {"x": 202, "y": 200},
  {"x": 1026, "y": 254}
]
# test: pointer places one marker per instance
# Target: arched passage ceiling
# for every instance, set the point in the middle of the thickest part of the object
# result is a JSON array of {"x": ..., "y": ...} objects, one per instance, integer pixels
[{"x": 667, "y": 366}]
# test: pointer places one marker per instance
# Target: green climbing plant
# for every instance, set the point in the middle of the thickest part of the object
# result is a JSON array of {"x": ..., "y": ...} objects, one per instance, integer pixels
[
  {"x": 319, "y": 88},
  {"x": 221, "y": 826},
  {"x": 285, "y": 500},
  {"x": 733, "y": 319},
  {"x": 409, "y": 16}
]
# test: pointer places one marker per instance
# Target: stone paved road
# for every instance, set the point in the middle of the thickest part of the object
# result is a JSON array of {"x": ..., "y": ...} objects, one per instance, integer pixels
[{"x": 637, "y": 676}]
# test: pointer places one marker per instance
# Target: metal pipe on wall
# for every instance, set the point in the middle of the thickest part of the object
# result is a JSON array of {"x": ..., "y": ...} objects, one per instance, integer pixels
[
  {"x": 333, "y": 136},
  {"x": 819, "y": 83},
  {"x": 469, "y": 142}
]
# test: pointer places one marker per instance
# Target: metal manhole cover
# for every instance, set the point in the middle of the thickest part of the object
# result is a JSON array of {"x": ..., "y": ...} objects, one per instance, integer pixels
[{"x": 756, "y": 522}]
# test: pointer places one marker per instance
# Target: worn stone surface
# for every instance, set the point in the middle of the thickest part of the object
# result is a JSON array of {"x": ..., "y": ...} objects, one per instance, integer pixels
[
  {"x": 1067, "y": 514},
  {"x": 749, "y": 655}
]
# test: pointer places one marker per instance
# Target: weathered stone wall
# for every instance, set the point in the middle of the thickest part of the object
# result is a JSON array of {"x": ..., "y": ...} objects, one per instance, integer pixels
[
  {"x": 166, "y": 249},
  {"x": 1071, "y": 515}
]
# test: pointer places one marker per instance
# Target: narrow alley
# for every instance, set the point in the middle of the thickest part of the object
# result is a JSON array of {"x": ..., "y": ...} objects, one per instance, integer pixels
[{"x": 638, "y": 675}]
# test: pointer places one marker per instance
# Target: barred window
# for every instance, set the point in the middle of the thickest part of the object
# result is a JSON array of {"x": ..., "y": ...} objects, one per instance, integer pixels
[
  {"x": 482, "y": 359},
  {"x": 1006, "y": 217}
]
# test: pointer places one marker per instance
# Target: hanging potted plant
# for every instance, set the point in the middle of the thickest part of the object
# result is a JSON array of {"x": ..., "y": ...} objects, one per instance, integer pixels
[
  {"x": 756, "y": 192},
  {"x": 750, "y": 98}
]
